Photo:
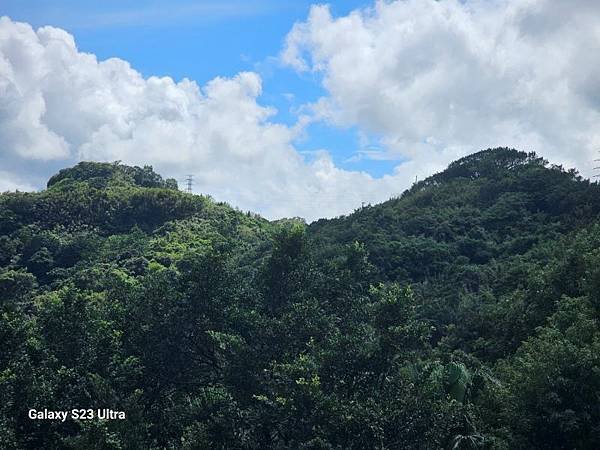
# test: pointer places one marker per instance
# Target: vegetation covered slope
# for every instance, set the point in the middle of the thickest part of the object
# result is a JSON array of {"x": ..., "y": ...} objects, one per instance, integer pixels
[{"x": 463, "y": 314}]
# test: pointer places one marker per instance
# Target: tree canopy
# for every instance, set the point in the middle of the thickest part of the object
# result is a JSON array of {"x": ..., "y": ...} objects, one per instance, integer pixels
[{"x": 462, "y": 314}]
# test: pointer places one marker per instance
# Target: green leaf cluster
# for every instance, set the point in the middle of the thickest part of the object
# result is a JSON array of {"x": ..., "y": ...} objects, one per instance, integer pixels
[{"x": 461, "y": 314}]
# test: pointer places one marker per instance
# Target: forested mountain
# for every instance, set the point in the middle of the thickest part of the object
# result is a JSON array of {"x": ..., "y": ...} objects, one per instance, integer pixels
[{"x": 463, "y": 314}]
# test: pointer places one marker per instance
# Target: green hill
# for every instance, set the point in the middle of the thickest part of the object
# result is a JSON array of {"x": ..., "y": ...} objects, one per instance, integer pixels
[{"x": 463, "y": 314}]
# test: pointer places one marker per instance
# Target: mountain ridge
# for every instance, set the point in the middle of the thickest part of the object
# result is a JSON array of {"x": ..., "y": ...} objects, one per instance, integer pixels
[{"x": 461, "y": 314}]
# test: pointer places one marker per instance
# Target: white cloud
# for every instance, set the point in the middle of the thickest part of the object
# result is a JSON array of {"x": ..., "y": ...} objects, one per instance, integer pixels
[
  {"x": 439, "y": 79},
  {"x": 423, "y": 81},
  {"x": 11, "y": 182},
  {"x": 59, "y": 105}
]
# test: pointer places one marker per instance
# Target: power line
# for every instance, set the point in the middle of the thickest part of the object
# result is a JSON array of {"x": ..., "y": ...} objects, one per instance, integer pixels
[{"x": 190, "y": 182}]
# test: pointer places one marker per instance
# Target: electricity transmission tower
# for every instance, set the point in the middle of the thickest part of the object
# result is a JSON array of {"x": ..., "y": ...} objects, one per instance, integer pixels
[{"x": 190, "y": 182}]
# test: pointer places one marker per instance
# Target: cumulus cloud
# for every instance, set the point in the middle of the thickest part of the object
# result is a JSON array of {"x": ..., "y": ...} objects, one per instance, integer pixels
[
  {"x": 59, "y": 105},
  {"x": 423, "y": 81},
  {"x": 439, "y": 79},
  {"x": 11, "y": 182}
]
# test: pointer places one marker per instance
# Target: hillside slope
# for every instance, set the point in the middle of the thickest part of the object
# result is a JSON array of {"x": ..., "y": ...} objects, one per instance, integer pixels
[
  {"x": 478, "y": 228},
  {"x": 463, "y": 314}
]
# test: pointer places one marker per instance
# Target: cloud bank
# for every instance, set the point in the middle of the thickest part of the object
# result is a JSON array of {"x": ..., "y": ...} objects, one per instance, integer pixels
[
  {"x": 429, "y": 80},
  {"x": 59, "y": 106},
  {"x": 438, "y": 79}
]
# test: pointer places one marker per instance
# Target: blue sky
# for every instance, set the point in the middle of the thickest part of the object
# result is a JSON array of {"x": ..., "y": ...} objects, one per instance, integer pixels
[{"x": 202, "y": 40}]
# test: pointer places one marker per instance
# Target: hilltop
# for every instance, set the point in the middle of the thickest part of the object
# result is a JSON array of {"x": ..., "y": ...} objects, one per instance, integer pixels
[{"x": 462, "y": 314}]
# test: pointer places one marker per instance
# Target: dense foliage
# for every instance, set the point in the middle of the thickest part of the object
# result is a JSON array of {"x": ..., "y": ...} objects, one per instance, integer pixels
[{"x": 463, "y": 314}]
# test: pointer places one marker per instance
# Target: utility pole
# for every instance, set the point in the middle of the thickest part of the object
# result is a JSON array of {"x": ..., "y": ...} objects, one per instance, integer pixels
[{"x": 190, "y": 182}]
